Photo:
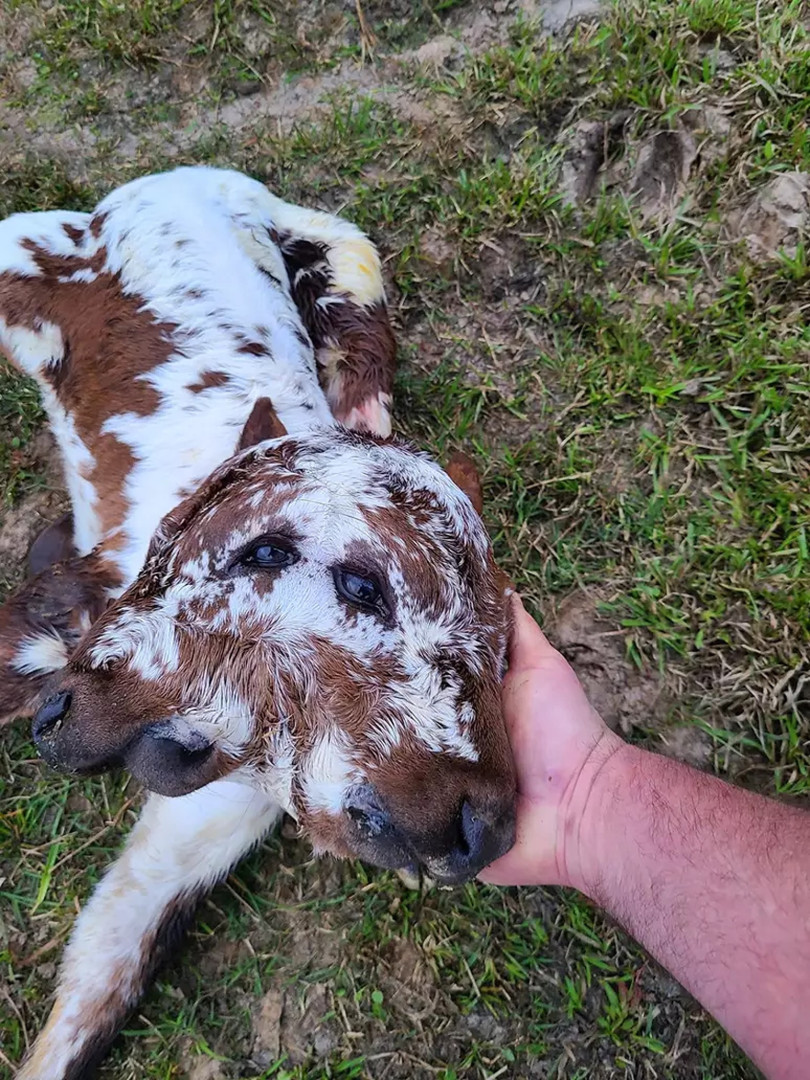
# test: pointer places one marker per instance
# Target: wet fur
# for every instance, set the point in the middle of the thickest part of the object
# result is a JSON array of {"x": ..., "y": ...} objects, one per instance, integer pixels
[{"x": 191, "y": 317}]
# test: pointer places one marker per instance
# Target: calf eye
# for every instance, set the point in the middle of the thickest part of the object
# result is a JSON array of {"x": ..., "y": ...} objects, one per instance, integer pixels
[
  {"x": 267, "y": 554},
  {"x": 360, "y": 590}
]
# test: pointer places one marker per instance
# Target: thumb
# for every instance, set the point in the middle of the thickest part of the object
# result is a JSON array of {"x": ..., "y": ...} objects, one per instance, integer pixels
[{"x": 529, "y": 647}]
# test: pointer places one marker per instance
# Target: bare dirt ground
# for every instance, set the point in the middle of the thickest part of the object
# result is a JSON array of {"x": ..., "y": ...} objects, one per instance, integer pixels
[{"x": 593, "y": 224}]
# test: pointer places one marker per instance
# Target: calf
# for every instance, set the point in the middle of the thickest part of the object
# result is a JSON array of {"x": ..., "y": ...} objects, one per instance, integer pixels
[{"x": 269, "y": 605}]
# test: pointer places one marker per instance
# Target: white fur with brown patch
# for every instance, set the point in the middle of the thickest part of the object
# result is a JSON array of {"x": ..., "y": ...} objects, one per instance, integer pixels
[
  {"x": 340, "y": 697},
  {"x": 178, "y": 849}
]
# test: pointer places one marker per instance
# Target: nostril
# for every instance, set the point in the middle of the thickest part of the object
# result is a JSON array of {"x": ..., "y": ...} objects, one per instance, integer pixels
[
  {"x": 472, "y": 832},
  {"x": 51, "y": 714},
  {"x": 364, "y": 809}
]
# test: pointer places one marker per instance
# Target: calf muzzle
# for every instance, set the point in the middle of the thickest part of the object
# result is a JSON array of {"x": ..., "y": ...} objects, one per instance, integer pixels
[{"x": 70, "y": 737}]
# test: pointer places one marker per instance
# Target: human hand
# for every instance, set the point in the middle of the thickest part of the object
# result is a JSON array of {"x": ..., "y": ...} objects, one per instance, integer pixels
[{"x": 560, "y": 744}]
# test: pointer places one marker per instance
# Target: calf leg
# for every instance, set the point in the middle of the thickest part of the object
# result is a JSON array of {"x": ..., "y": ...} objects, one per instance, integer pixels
[
  {"x": 337, "y": 286},
  {"x": 177, "y": 851}
]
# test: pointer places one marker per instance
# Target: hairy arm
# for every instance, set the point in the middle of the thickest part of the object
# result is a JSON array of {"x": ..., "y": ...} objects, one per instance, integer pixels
[{"x": 714, "y": 881}]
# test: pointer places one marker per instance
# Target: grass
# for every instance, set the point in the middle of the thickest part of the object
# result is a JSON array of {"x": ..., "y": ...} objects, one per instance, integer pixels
[{"x": 636, "y": 391}]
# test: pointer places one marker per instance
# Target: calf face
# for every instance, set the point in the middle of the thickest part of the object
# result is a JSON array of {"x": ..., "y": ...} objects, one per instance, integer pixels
[{"x": 324, "y": 619}]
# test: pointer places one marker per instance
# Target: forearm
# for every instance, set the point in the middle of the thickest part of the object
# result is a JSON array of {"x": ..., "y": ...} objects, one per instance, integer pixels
[{"x": 715, "y": 883}]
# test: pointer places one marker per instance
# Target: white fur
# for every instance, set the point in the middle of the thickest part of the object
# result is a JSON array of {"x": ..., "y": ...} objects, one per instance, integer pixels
[
  {"x": 39, "y": 347},
  {"x": 78, "y": 464},
  {"x": 38, "y": 653},
  {"x": 330, "y": 772},
  {"x": 178, "y": 847}
]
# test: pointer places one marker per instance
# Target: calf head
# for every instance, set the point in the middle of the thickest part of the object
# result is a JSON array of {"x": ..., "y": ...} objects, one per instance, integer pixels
[{"x": 324, "y": 619}]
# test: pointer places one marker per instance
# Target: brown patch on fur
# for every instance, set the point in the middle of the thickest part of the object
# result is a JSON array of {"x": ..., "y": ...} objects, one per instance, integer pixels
[
  {"x": 110, "y": 340},
  {"x": 114, "y": 462},
  {"x": 97, "y": 224},
  {"x": 253, "y": 348},
  {"x": 113, "y": 706},
  {"x": 209, "y": 380},
  {"x": 422, "y": 560},
  {"x": 356, "y": 354},
  {"x": 326, "y": 833},
  {"x": 218, "y": 488},
  {"x": 348, "y": 691},
  {"x": 73, "y": 233},
  {"x": 57, "y": 370},
  {"x": 354, "y": 344}
]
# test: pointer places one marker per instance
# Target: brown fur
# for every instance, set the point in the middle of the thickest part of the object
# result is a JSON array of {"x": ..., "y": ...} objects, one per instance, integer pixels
[
  {"x": 209, "y": 380},
  {"x": 354, "y": 345},
  {"x": 356, "y": 355},
  {"x": 109, "y": 341},
  {"x": 61, "y": 600},
  {"x": 462, "y": 471}
]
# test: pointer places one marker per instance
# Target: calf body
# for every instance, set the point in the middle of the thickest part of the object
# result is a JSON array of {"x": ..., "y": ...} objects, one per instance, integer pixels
[{"x": 265, "y": 611}]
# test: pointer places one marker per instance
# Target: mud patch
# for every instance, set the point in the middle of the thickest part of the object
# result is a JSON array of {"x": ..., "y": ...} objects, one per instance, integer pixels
[
  {"x": 195, "y": 1067},
  {"x": 623, "y": 695},
  {"x": 408, "y": 982},
  {"x": 21, "y": 523},
  {"x": 687, "y": 743},
  {"x": 587, "y": 147},
  {"x": 658, "y": 181},
  {"x": 558, "y": 14},
  {"x": 267, "y": 1028},
  {"x": 306, "y": 1028},
  {"x": 776, "y": 218},
  {"x": 712, "y": 129}
]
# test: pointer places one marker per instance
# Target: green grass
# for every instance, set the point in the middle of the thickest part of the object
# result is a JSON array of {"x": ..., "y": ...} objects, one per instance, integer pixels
[{"x": 636, "y": 393}]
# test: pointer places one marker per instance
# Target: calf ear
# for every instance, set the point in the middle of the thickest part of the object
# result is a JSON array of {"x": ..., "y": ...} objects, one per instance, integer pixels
[
  {"x": 463, "y": 473},
  {"x": 53, "y": 545},
  {"x": 41, "y": 624},
  {"x": 262, "y": 424}
]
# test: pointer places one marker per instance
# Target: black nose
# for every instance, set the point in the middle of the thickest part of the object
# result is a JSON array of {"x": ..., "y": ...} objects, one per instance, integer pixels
[
  {"x": 50, "y": 714},
  {"x": 480, "y": 840},
  {"x": 471, "y": 841}
]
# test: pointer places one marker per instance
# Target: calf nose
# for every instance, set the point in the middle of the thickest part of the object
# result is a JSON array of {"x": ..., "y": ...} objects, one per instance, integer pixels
[
  {"x": 480, "y": 840},
  {"x": 366, "y": 812},
  {"x": 455, "y": 852},
  {"x": 50, "y": 714}
]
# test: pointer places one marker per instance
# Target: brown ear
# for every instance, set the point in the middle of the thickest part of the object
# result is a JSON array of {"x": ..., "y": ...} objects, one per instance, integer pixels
[
  {"x": 263, "y": 423},
  {"x": 463, "y": 473},
  {"x": 53, "y": 545}
]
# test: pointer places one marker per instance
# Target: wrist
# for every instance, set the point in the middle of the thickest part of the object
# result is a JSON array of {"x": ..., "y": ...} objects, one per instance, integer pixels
[{"x": 587, "y": 815}]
